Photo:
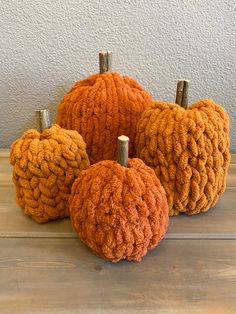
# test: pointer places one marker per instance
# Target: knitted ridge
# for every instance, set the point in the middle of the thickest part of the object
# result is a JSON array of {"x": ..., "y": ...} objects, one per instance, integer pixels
[
  {"x": 189, "y": 151},
  {"x": 120, "y": 213},
  {"x": 101, "y": 108},
  {"x": 44, "y": 168}
]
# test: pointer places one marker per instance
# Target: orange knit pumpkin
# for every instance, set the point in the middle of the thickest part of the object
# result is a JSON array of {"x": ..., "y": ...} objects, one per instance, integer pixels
[
  {"x": 102, "y": 107},
  {"x": 189, "y": 151},
  {"x": 44, "y": 168},
  {"x": 119, "y": 212}
]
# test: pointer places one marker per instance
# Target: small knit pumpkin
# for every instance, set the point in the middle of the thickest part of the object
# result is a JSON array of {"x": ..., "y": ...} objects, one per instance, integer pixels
[
  {"x": 101, "y": 108},
  {"x": 189, "y": 151},
  {"x": 44, "y": 168},
  {"x": 119, "y": 212}
]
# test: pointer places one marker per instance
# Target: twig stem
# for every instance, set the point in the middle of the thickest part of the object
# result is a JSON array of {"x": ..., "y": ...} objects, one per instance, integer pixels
[
  {"x": 105, "y": 61},
  {"x": 123, "y": 150},
  {"x": 44, "y": 119},
  {"x": 182, "y": 93}
]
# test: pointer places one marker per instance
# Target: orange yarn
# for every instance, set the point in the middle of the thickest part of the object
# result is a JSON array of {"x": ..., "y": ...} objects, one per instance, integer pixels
[
  {"x": 101, "y": 108},
  {"x": 189, "y": 151},
  {"x": 45, "y": 166},
  {"x": 120, "y": 213}
]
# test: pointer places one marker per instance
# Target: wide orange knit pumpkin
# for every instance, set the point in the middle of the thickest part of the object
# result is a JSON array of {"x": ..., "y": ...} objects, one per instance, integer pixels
[
  {"x": 189, "y": 151},
  {"x": 102, "y": 107},
  {"x": 119, "y": 212},
  {"x": 44, "y": 167}
]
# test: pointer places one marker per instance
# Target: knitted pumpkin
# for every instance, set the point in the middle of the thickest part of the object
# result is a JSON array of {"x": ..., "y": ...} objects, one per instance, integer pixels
[
  {"x": 102, "y": 107},
  {"x": 44, "y": 168},
  {"x": 189, "y": 151},
  {"x": 119, "y": 212}
]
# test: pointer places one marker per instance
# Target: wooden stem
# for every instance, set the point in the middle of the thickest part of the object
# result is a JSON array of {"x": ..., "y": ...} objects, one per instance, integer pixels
[
  {"x": 123, "y": 150},
  {"x": 182, "y": 93},
  {"x": 44, "y": 119},
  {"x": 105, "y": 61}
]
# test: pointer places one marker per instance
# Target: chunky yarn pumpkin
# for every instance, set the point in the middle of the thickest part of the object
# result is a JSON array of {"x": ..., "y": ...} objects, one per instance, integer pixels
[
  {"x": 44, "y": 167},
  {"x": 189, "y": 151},
  {"x": 119, "y": 212},
  {"x": 101, "y": 108}
]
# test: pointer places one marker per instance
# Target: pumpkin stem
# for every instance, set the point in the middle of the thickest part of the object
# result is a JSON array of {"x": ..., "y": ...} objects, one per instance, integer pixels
[
  {"x": 44, "y": 119},
  {"x": 123, "y": 150},
  {"x": 182, "y": 93},
  {"x": 105, "y": 60}
]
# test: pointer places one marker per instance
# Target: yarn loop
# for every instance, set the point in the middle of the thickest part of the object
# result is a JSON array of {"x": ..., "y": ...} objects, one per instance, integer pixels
[
  {"x": 119, "y": 212},
  {"x": 44, "y": 167},
  {"x": 101, "y": 108},
  {"x": 189, "y": 151}
]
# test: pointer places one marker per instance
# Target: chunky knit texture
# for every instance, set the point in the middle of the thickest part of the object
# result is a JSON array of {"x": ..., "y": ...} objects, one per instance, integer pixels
[
  {"x": 44, "y": 168},
  {"x": 189, "y": 151},
  {"x": 120, "y": 213},
  {"x": 101, "y": 108}
]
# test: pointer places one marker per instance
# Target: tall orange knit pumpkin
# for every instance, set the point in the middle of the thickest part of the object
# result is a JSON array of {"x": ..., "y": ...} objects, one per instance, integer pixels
[
  {"x": 188, "y": 149},
  {"x": 102, "y": 107},
  {"x": 119, "y": 209},
  {"x": 45, "y": 166}
]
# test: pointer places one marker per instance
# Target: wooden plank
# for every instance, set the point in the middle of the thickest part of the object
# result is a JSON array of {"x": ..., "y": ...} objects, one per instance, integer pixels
[
  {"x": 231, "y": 177},
  {"x": 5, "y": 166},
  {"x": 233, "y": 158},
  {"x": 15, "y": 224},
  {"x": 218, "y": 222},
  {"x": 7, "y": 193},
  {"x": 4, "y": 152},
  {"x": 63, "y": 276},
  {"x": 6, "y": 169}
]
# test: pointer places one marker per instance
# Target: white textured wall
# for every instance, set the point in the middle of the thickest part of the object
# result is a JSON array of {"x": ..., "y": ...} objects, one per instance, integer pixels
[{"x": 45, "y": 46}]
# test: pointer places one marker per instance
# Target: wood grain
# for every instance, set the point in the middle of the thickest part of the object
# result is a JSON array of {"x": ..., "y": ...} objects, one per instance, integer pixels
[
  {"x": 15, "y": 224},
  {"x": 182, "y": 93},
  {"x": 105, "y": 61},
  {"x": 218, "y": 222},
  {"x": 46, "y": 269},
  {"x": 5, "y": 167},
  {"x": 185, "y": 95},
  {"x": 123, "y": 150},
  {"x": 4, "y": 152},
  {"x": 179, "y": 92},
  {"x": 63, "y": 276},
  {"x": 44, "y": 119}
]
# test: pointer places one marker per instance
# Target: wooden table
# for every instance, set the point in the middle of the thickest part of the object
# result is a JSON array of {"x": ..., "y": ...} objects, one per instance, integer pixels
[{"x": 46, "y": 269}]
